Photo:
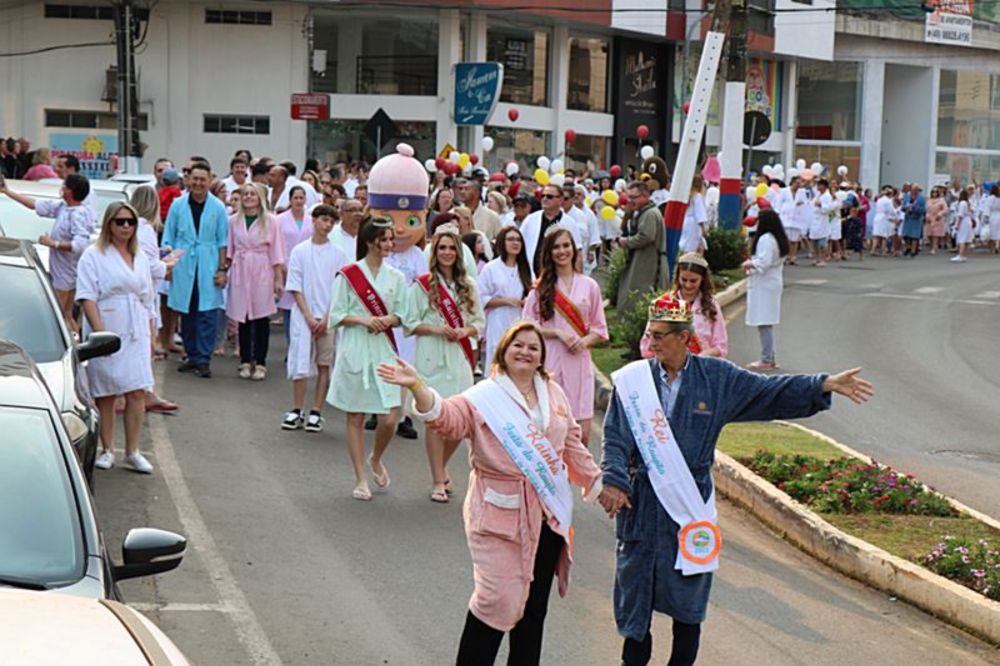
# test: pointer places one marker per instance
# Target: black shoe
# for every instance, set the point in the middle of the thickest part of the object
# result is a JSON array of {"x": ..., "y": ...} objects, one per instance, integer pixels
[
  {"x": 406, "y": 430},
  {"x": 371, "y": 422},
  {"x": 187, "y": 366},
  {"x": 203, "y": 371}
]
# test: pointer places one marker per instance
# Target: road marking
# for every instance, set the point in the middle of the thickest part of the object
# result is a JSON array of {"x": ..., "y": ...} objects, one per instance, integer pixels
[
  {"x": 812, "y": 281},
  {"x": 927, "y": 290},
  {"x": 911, "y": 297},
  {"x": 248, "y": 628},
  {"x": 180, "y": 607},
  {"x": 988, "y": 294}
]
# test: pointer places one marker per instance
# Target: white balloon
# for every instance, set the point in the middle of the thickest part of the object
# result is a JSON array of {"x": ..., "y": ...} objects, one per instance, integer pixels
[
  {"x": 646, "y": 152},
  {"x": 453, "y": 156},
  {"x": 467, "y": 169},
  {"x": 712, "y": 196},
  {"x": 792, "y": 173},
  {"x": 842, "y": 170},
  {"x": 800, "y": 164},
  {"x": 767, "y": 170},
  {"x": 751, "y": 193},
  {"x": 817, "y": 168},
  {"x": 620, "y": 185},
  {"x": 558, "y": 179},
  {"x": 557, "y": 166},
  {"x": 430, "y": 166},
  {"x": 513, "y": 168},
  {"x": 487, "y": 144},
  {"x": 543, "y": 162}
]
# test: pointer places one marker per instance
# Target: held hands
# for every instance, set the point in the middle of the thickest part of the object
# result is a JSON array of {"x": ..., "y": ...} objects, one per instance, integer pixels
[
  {"x": 613, "y": 500},
  {"x": 848, "y": 384},
  {"x": 220, "y": 279},
  {"x": 451, "y": 334},
  {"x": 401, "y": 374}
]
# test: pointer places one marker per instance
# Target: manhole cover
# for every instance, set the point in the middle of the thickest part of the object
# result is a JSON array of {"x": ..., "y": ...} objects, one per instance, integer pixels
[{"x": 984, "y": 456}]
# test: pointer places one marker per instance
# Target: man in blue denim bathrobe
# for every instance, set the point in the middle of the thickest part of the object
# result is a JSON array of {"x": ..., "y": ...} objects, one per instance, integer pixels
[{"x": 699, "y": 396}]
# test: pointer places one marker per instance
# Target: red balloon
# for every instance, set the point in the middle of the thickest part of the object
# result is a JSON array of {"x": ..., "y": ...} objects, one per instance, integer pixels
[
  {"x": 622, "y": 200},
  {"x": 538, "y": 192},
  {"x": 474, "y": 159},
  {"x": 451, "y": 168},
  {"x": 642, "y": 132},
  {"x": 570, "y": 136},
  {"x": 440, "y": 163},
  {"x": 513, "y": 114},
  {"x": 749, "y": 221},
  {"x": 763, "y": 203},
  {"x": 686, "y": 108},
  {"x": 615, "y": 171}
]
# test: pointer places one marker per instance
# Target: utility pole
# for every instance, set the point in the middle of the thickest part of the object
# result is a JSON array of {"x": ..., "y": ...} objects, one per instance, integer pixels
[
  {"x": 129, "y": 149},
  {"x": 731, "y": 18}
]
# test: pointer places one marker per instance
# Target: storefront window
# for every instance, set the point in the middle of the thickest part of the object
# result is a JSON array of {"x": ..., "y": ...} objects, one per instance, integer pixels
[
  {"x": 519, "y": 145},
  {"x": 829, "y": 96},
  {"x": 831, "y": 157},
  {"x": 588, "y": 153},
  {"x": 969, "y": 109},
  {"x": 377, "y": 54},
  {"x": 588, "y": 74},
  {"x": 344, "y": 140},
  {"x": 965, "y": 167},
  {"x": 525, "y": 55}
]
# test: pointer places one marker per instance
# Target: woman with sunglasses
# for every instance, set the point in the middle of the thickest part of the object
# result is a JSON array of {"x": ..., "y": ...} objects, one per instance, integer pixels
[
  {"x": 116, "y": 294},
  {"x": 568, "y": 307},
  {"x": 368, "y": 295},
  {"x": 503, "y": 285}
]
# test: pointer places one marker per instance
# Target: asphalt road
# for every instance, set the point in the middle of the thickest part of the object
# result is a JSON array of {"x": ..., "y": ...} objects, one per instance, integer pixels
[
  {"x": 927, "y": 332},
  {"x": 285, "y": 568}
]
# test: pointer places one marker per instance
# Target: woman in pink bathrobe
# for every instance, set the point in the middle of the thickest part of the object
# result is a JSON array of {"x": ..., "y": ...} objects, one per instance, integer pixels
[
  {"x": 516, "y": 543},
  {"x": 568, "y": 306},
  {"x": 256, "y": 255}
]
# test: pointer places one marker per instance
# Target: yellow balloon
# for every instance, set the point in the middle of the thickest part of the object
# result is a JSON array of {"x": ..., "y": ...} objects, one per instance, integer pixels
[
  {"x": 463, "y": 160},
  {"x": 761, "y": 190},
  {"x": 610, "y": 197},
  {"x": 607, "y": 213},
  {"x": 542, "y": 177}
]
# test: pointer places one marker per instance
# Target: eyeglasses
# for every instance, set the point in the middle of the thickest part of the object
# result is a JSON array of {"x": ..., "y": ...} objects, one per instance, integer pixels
[
  {"x": 552, "y": 196},
  {"x": 123, "y": 221}
]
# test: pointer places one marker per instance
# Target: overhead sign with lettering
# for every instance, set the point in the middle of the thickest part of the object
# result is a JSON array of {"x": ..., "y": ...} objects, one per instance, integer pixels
[
  {"x": 310, "y": 106},
  {"x": 477, "y": 91},
  {"x": 949, "y": 23},
  {"x": 98, "y": 153}
]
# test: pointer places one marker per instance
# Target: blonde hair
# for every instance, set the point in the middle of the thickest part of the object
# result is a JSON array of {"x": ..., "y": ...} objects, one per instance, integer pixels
[
  {"x": 462, "y": 211},
  {"x": 263, "y": 212},
  {"x": 147, "y": 205},
  {"x": 104, "y": 240},
  {"x": 41, "y": 156},
  {"x": 499, "y": 199}
]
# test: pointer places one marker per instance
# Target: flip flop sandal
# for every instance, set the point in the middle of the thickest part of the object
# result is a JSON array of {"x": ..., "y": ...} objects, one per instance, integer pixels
[
  {"x": 448, "y": 489},
  {"x": 440, "y": 496},
  {"x": 362, "y": 494},
  {"x": 162, "y": 406},
  {"x": 381, "y": 480}
]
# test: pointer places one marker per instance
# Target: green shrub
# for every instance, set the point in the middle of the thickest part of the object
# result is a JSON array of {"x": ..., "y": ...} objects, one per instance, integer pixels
[
  {"x": 726, "y": 249},
  {"x": 973, "y": 564},
  {"x": 628, "y": 329},
  {"x": 611, "y": 274}
]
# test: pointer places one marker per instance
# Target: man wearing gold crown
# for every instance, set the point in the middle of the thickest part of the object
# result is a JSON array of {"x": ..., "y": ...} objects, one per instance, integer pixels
[{"x": 660, "y": 434}]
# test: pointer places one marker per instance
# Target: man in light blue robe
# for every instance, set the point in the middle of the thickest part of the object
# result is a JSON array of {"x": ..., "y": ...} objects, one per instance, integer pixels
[{"x": 699, "y": 395}]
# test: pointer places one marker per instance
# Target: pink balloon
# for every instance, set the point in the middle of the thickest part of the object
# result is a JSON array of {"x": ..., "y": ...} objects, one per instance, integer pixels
[{"x": 642, "y": 132}]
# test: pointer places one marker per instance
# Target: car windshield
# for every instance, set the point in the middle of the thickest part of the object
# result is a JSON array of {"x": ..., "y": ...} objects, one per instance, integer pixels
[
  {"x": 27, "y": 317},
  {"x": 20, "y": 222},
  {"x": 40, "y": 534}
]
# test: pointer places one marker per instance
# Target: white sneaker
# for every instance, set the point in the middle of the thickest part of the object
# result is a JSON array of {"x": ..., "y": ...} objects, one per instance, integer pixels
[
  {"x": 958, "y": 258},
  {"x": 139, "y": 463},
  {"x": 314, "y": 422},
  {"x": 245, "y": 371},
  {"x": 259, "y": 373},
  {"x": 105, "y": 460}
]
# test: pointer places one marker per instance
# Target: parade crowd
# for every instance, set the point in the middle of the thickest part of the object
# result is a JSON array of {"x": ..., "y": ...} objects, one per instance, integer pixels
[{"x": 396, "y": 286}]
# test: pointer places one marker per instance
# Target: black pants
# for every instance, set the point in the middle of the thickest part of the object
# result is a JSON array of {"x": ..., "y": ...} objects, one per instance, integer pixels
[
  {"x": 684, "y": 652},
  {"x": 481, "y": 642},
  {"x": 254, "y": 337}
]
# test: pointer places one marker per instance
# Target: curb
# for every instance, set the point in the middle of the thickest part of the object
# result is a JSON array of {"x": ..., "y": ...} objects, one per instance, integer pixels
[
  {"x": 946, "y": 600},
  {"x": 602, "y": 383}
]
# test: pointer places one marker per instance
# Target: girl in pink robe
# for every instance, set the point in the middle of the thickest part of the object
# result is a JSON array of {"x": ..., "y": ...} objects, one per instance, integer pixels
[
  {"x": 296, "y": 226},
  {"x": 256, "y": 255},
  {"x": 568, "y": 350}
]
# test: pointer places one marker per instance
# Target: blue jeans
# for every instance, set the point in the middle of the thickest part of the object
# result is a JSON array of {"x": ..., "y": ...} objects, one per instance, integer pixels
[{"x": 198, "y": 330}]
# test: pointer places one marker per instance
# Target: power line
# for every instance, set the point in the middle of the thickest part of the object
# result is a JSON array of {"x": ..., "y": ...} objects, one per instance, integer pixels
[{"x": 57, "y": 47}]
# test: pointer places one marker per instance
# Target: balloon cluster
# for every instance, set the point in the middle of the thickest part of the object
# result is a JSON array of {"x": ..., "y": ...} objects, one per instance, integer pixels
[
  {"x": 456, "y": 162},
  {"x": 549, "y": 171}
]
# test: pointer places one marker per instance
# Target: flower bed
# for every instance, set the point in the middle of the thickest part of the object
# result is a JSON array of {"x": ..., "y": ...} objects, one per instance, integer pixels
[{"x": 975, "y": 564}]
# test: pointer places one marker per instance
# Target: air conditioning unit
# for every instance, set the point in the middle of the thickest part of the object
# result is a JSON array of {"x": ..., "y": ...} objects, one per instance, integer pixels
[{"x": 110, "y": 93}]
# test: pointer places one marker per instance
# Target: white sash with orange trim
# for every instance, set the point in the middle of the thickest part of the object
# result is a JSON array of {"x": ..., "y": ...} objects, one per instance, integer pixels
[
  {"x": 699, "y": 539},
  {"x": 527, "y": 446}
]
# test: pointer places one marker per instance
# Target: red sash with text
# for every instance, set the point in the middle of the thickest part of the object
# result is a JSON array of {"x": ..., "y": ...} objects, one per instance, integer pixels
[
  {"x": 369, "y": 297},
  {"x": 450, "y": 312},
  {"x": 570, "y": 313}
]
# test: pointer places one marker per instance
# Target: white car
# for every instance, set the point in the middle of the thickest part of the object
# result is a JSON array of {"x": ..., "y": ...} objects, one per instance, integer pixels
[{"x": 43, "y": 629}]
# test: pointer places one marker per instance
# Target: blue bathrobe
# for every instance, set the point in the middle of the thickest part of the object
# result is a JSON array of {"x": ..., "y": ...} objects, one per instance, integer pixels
[{"x": 713, "y": 392}]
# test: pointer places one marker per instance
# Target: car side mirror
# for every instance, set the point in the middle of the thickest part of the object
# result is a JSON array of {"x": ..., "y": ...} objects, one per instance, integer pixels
[
  {"x": 98, "y": 344},
  {"x": 147, "y": 551}
]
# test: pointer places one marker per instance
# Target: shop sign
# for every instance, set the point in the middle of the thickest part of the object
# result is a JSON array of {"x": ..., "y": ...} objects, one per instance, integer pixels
[
  {"x": 477, "y": 91},
  {"x": 98, "y": 153},
  {"x": 310, "y": 106},
  {"x": 950, "y": 23}
]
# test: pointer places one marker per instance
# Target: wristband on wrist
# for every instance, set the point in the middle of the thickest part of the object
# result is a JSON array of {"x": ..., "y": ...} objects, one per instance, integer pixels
[{"x": 416, "y": 387}]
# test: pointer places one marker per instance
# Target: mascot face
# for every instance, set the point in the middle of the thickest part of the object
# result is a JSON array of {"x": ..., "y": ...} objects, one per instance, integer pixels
[
  {"x": 397, "y": 190},
  {"x": 654, "y": 170},
  {"x": 409, "y": 226}
]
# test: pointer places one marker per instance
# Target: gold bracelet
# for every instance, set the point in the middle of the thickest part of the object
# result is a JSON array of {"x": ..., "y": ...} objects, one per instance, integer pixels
[{"x": 416, "y": 387}]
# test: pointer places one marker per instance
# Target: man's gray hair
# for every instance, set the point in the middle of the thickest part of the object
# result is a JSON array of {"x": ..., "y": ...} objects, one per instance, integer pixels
[{"x": 640, "y": 185}]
